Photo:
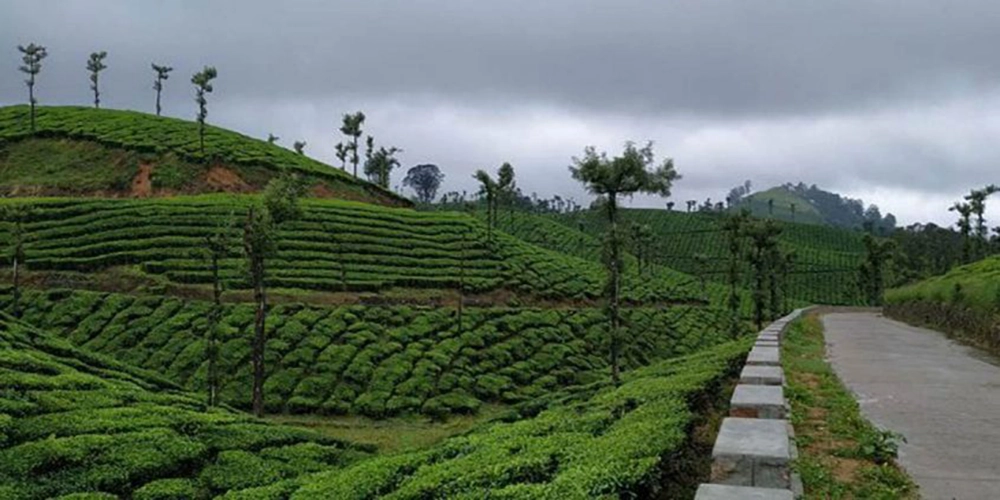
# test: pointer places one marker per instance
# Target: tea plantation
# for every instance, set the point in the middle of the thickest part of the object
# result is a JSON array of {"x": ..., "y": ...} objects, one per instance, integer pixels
[
  {"x": 76, "y": 422},
  {"x": 378, "y": 314},
  {"x": 598, "y": 441},
  {"x": 376, "y": 361},
  {"x": 170, "y": 144},
  {"x": 826, "y": 258},
  {"x": 335, "y": 246}
]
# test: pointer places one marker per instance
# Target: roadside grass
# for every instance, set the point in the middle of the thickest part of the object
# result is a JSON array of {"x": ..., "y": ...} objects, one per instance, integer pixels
[
  {"x": 392, "y": 435},
  {"x": 841, "y": 454}
]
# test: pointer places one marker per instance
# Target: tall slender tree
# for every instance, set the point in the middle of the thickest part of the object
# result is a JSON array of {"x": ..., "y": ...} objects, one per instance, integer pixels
[
  {"x": 95, "y": 65},
  {"x": 272, "y": 139},
  {"x": 203, "y": 85},
  {"x": 342, "y": 150},
  {"x": 16, "y": 216},
  {"x": 763, "y": 236},
  {"x": 299, "y": 147},
  {"x": 735, "y": 229},
  {"x": 162, "y": 74},
  {"x": 878, "y": 252},
  {"x": 260, "y": 242},
  {"x": 977, "y": 206},
  {"x": 507, "y": 190},
  {"x": 351, "y": 127},
  {"x": 380, "y": 164},
  {"x": 489, "y": 189},
  {"x": 218, "y": 245},
  {"x": 32, "y": 56},
  {"x": 610, "y": 178},
  {"x": 964, "y": 228}
]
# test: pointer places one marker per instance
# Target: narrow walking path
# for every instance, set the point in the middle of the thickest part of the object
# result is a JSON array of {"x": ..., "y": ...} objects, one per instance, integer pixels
[{"x": 944, "y": 397}]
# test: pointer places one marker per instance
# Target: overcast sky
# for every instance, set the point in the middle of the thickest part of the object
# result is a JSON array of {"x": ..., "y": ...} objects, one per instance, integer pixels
[{"x": 896, "y": 102}]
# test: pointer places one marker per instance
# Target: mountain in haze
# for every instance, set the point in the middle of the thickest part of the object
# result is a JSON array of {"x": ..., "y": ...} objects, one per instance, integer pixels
[{"x": 811, "y": 205}]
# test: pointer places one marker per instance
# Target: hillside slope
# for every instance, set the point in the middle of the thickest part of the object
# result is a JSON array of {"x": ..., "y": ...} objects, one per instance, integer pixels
[
  {"x": 777, "y": 202},
  {"x": 376, "y": 361},
  {"x": 964, "y": 302},
  {"x": 813, "y": 205},
  {"x": 597, "y": 441},
  {"x": 76, "y": 422},
  {"x": 104, "y": 152},
  {"x": 335, "y": 246},
  {"x": 826, "y": 258}
]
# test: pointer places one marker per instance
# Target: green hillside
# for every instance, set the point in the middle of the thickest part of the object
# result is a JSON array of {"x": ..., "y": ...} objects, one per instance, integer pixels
[
  {"x": 375, "y": 361},
  {"x": 826, "y": 258},
  {"x": 777, "y": 203},
  {"x": 335, "y": 246},
  {"x": 76, "y": 422},
  {"x": 103, "y": 152},
  {"x": 813, "y": 205},
  {"x": 597, "y": 441},
  {"x": 964, "y": 301}
]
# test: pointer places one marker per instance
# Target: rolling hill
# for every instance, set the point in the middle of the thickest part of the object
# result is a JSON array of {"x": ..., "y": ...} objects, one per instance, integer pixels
[
  {"x": 103, "y": 152},
  {"x": 812, "y": 205},
  {"x": 74, "y": 422},
  {"x": 377, "y": 311}
]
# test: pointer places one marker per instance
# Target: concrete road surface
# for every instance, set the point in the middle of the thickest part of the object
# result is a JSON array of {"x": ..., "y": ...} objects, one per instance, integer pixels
[{"x": 944, "y": 397}]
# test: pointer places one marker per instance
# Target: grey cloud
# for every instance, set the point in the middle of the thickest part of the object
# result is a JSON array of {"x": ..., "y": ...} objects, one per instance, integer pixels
[
  {"x": 893, "y": 99},
  {"x": 727, "y": 57}
]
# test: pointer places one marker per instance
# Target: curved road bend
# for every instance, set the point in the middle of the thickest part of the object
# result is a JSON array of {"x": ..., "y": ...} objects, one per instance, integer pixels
[{"x": 942, "y": 396}]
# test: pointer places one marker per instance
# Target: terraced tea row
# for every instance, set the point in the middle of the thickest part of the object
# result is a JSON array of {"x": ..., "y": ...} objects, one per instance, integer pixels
[
  {"x": 548, "y": 232},
  {"x": 373, "y": 361},
  {"x": 76, "y": 422},
  {"x": 598, "y": 442},
  {"x": 162, "y": 136},
  {"x": 825, "y": 264},
  {"x": 334, "y": 246}
]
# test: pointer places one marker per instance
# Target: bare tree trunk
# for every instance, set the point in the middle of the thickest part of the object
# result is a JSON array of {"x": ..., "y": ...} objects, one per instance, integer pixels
[
  {"x": 461, "y": 282},
  {"x": 615, "y": 286},
  {"x": 17, "y": 286},
  {"x": 31, "y": 101},
  {"x": 211, "y": 348},
  {"x": 259, "y": 339}
]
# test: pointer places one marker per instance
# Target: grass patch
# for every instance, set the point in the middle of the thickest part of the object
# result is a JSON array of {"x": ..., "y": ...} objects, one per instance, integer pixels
[
  {"x": 392, "y": 435},
  {"x": 841, "y": 455}
]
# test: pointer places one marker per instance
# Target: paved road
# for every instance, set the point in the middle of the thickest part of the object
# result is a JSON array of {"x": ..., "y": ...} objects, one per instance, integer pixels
[{"x": 944, "y": 397}]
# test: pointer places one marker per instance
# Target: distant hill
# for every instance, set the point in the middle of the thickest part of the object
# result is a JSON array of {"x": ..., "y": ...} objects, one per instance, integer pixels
[
  {"x": 812, "y": 205},
  {"x": 78, "y": 151}
]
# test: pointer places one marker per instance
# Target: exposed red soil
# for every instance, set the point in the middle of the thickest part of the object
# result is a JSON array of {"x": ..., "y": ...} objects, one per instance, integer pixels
[
  {"x": 142, "y": 184},
  {"x": 220, "y": 178}
]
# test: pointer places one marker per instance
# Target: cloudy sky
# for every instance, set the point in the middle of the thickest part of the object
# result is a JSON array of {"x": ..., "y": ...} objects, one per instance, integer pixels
[{"x": 893, "y": 101}]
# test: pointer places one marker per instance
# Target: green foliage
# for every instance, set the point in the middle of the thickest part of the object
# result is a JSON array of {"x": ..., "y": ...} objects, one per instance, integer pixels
[
  {"x": 144, "y": 134},
  {"x": 162, "y": 74},
  {"x": 374, "y": 361},
  {"x": 334, "y": 245},
  {"x": 964, "y": 302},
  {"x": 826, "y": 258},
  {"x": 95, "y": 65},
  {"x": 85, "y": 426},
  {"x": 602, "y": 442}
]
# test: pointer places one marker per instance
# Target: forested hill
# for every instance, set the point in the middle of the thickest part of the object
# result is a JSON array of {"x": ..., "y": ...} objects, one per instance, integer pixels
[{"x": 812, "y": 205}]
